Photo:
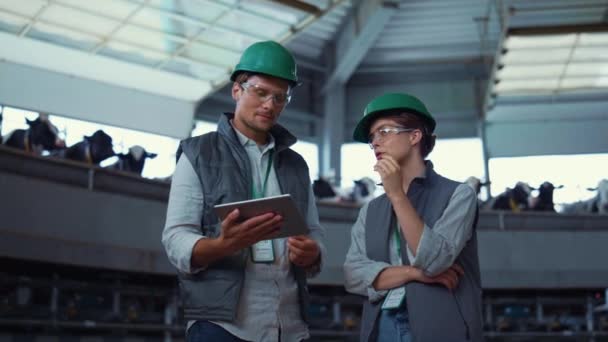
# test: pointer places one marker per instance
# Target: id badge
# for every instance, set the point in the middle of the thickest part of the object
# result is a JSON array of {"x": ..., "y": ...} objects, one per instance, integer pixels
[
  {"x": 394, "y": 298},
  {"x": 262, "y": 252}
]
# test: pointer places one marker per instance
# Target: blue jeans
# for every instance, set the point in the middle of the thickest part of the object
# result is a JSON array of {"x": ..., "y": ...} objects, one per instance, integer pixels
[
  {"x": 394, "y": 326},
  {"x": 205, "y": 331}
]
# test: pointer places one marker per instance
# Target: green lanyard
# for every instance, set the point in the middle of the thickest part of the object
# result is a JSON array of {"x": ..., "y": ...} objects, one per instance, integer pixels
[
  {"x": 263, "y": 190},
  {"x": 398, "y": 240}
]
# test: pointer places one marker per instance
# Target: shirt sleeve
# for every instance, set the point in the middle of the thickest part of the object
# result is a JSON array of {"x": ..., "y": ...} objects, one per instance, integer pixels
[
  {"x": 184, "y": 213},
  {"x": 440, "y": 246},
  {"x": 360, "y": 271},
  {"x": 317, "y": 233}
]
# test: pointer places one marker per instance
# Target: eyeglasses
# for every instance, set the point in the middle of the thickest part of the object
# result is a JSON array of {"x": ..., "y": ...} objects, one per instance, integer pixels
[
  {"x": 384, "y": 132},
  {"x": 264, "y": 95}
]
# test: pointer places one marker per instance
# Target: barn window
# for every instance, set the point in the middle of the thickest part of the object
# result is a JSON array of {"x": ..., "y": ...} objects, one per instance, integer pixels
[
  {"x": 73, "y": 130},
  {"x": 202, "y": 127},
  {"x": 310, "y": 153},
  {"x": 575, "y": 172}
]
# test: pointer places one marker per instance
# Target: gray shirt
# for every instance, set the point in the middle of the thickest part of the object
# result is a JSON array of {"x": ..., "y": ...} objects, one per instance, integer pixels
[
  {"x": 437, "y": 249},
  {"x": 269, "y": 297}
]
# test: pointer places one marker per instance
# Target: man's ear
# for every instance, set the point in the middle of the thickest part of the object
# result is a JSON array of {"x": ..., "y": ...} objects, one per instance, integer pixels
[{"x": 236, "y": 91}]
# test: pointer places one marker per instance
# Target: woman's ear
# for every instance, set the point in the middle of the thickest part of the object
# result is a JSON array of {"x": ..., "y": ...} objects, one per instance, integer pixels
[{"x": 415, "y": 136}]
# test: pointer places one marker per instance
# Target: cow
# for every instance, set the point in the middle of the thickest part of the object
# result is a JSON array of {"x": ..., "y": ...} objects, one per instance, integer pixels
[
  {"x": 323, "y": 189},
  {"x": 133, "y": 161},
  {"x": 544, "y": 201},
  {"x": 602, "y": 196},
  {"x": 516, "y": 199},
  {"x": 91, "y": 150},
  {"x": 41, "y": 136},
  {"x": 596, "y": 204},
  {"x": 363, "y": 191}
]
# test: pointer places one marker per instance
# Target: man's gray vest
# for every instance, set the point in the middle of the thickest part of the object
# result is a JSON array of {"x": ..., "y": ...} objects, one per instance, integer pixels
[
  {"x": 436, "y": 314},
  {"x": 224, "y": 170}
]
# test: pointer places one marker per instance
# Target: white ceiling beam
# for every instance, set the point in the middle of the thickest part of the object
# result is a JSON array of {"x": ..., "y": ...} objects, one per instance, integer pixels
[
  {"x": 99, "y": 68},
  {"x": 40, "y": 90}
]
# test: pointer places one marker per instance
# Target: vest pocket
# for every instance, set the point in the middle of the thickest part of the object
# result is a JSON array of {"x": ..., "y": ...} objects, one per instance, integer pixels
[{"x": 210, "y": 295}]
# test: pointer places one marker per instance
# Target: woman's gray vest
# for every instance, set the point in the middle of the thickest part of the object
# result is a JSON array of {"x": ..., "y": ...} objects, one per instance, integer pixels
[
  {"x": 224, "y": 171},
  {"x": 436, "y": 314}
]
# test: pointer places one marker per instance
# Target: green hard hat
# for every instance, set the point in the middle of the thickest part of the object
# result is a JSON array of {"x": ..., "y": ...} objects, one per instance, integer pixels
[
  {"x": 383, "y": 103},
  {"x": 269, "y": 58}
]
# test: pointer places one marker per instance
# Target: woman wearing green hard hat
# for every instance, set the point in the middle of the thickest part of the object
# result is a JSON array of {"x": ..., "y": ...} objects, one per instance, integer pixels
[
  {"x": 237, "y": 282},
  {"x": 413, "y": 250}
]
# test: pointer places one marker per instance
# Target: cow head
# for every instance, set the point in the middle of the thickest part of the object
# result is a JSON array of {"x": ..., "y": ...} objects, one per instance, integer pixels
[
  {"x": 602, "y": 196},
  {"x": 322, "y": 188},
  {"x": 364, "y": 189},
  {"x": 100, "y": 145},
  {"x": 521, "y": 194},
  {"x": 545, "y": 191},
  {"x": 544, "y": 200},
  {"x": 43, "y": 134},
  {"x": 134, "y": 160},
  {"x": 602, "y": 190},
  {"x": 139, "y": 153}
]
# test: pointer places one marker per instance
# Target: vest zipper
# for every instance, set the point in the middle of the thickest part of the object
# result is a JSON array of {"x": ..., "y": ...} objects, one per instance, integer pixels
[{"x": 464, "y": 321}]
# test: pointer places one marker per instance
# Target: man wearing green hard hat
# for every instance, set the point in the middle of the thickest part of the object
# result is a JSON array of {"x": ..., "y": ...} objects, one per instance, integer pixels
[
  {"x": 238, "y": 282},
  {"x": 413, "y": 250}
]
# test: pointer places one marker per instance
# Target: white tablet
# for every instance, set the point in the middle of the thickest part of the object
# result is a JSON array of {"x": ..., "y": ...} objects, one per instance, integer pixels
[{"x": 293, "y": 222}]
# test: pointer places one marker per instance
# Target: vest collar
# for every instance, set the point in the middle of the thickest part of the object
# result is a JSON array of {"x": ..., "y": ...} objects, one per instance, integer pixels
[{"x": 429, "y": 176}]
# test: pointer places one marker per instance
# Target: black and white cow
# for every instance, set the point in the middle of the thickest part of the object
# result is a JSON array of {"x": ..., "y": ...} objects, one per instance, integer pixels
[
  {"x": 544, "y": 200},
  {"x": 41, "y": 136},
  {"x": 516, "y": 199},
  {"x": 596, "y": 204},
  {"x": 133, "y": 161},
  {"x": 323, "y": 189},
  {"x": 91, "y": 150},
  {"x": 602, "y": 196},
  {"x": 363, "y": 190}
]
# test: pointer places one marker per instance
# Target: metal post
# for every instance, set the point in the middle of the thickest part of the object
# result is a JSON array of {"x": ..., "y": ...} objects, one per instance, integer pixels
[
  {"x": 54, "y": 305},
  {"x": 91, "y": 175},
  {"x": 116, "y": 304},
  {"x": 24, "y": 295},
  {"x": 485, "y": 100},
  {"x": 486, "y": 156},
  {"x": 336, "y": 314},
  {"x": 170, "y": 314},
  {"x": 589, "y": 314},
  {"x": 539, "y": 312},
  {"x": 489, "y": 313}
]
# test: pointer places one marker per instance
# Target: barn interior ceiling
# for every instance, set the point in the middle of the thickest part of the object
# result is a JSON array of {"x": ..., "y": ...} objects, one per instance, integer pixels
[
  {"x": 183, "y": 49},
  {"x": 553, "y": 60},
  {"x": 146, "y": 64}
]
